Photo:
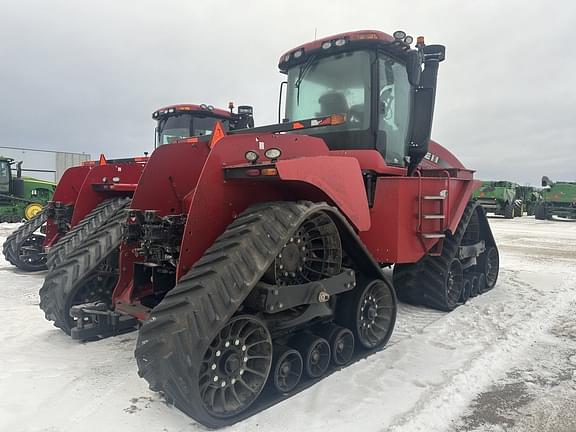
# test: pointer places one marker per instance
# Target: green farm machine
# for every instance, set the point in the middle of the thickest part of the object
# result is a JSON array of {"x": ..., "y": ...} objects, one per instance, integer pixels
[
  {"x": 558, "y": 199},
  {"x": 530, "y": 196},
  {"x": 21, "y": 197},
  {"x": 500, "y": 198}
]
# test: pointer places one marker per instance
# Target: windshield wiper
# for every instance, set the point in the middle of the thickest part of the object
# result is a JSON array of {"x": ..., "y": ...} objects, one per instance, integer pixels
[{"x": 303, "y": 71}]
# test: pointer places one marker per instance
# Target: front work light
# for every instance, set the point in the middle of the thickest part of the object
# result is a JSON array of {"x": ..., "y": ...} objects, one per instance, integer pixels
[
  {"x": 251, "y": 156},
  {"x": 399, "y": 34},
  {"x": 273, "y": 153}
]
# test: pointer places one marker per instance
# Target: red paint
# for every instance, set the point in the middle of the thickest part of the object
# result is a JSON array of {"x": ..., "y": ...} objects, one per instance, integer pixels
[
  {"x": 345, "y": 192},
  {"x": 354, "y": 35},
  {"x": 197, "y": 108},
  {"x": 189, "y": 179},
  {"x": 66, "y": 193},
  {"x": 89, "y": 197}
]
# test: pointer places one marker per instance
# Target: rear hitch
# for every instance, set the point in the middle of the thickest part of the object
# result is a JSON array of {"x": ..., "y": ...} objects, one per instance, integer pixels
[{"x": 96, "y": 320}]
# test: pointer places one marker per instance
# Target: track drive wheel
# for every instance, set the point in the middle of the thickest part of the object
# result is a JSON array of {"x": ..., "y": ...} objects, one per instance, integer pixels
[
  {"x": 489, "y": 264},
  {"x": 370, "y": 312}
]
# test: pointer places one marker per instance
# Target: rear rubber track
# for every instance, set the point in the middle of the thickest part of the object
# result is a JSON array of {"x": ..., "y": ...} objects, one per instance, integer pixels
[
  {"x": 423, "y": 282},
  {"x": 172, "y": 342},
  {"x": 79, "y": 233},
  {"x": 14, "y": 240},
  {"x": 63, "y": 281}
]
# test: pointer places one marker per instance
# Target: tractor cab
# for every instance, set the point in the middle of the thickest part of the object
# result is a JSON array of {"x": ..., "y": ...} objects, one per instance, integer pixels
[
  {"x": 179, "y": 123},
  {"x": 5, "y": 175},
  {"x": 383, "y": 87}
]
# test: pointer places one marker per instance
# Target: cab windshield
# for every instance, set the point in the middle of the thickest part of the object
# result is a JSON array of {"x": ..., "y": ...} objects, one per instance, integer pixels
[
  {"x": 338, "y": 84},
  {"x": 186, "y": 125}
]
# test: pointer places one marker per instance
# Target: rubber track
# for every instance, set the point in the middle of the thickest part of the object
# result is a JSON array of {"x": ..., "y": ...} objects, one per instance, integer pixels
[
  {"x": 79, "y": 233},
  {"x": 63, "y": 280},
  {"x": 423, "y": 282},
  {"x": 172, "y": 342},
  {"x": 14, "y": 240}
]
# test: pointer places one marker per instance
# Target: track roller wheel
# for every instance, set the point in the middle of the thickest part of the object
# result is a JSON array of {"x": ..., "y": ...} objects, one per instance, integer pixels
[
  {"x": 315, "y": 353},
  {"x": 370, "y": 312},
  {"x": 235, "y": 367},
  {"x": 490, "y": 265},
  {"x": 466, "y": 290},
  {"x": 287, "y": 369},
  {"x": 474, "y": 285},
  {"x": 341, "y": 342},
  {"x": 481, "y": 283}
]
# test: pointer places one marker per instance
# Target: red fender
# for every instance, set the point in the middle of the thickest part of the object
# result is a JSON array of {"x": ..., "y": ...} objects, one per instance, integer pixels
[
  {"x": 216, "y": 202},
  {"x": 166, "y": 184},
  {"x": 89, "y": 197},
  {"x": 66, "y": 193},
  {"x": 340, "y": 178}
]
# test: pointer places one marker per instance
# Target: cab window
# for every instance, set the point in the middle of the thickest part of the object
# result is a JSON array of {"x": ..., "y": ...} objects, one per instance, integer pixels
[{"x": 394, "y": 104}]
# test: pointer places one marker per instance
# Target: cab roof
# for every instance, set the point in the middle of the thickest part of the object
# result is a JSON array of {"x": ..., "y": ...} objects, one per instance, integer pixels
[
  {"x": 370, "y": 36},
  {"x": 207, "y": 110}
]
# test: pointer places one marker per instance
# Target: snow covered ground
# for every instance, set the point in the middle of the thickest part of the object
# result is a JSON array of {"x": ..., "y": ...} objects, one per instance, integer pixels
[{"x": 504, "y": 361}]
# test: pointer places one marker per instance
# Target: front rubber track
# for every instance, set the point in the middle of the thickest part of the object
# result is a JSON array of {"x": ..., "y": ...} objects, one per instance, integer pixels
[
  {"x": 16, "y": 239},
  {"x": 63, "y": 281},
  {"x": 172, "y": 342},
  {"x": 423, "y": 282},
  {"x": 79, "y": 233}
]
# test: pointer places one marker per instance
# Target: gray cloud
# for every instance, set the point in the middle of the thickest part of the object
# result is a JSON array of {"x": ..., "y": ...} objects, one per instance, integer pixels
[{"x": 85, "y": 76}]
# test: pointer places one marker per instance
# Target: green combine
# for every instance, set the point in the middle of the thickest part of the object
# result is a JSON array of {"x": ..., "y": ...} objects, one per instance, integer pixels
[
  {"x": 558, "y": 199},
  {"x": 21, "y": 197},
  {"x": 499, "y": 197}
]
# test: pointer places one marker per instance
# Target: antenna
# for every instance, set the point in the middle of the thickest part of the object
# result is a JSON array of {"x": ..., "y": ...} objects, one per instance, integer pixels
[{"x": 315, "y": 32}]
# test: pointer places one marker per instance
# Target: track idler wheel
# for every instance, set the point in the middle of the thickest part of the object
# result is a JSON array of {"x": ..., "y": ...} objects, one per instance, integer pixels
[
  {"x": 287, "y": 369},
  {"x": 31, "y": 256},
  {"x": 489, "y": 265},
  {"x": 235, "y": 367},
  {"x": 341, "y": 342},
  {"x": 315, "y": 353}
]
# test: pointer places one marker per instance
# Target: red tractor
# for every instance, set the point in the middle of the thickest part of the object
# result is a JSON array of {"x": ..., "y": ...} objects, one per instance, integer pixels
[
  {"x": 253, "y": 260},
  {"x": 87, "y": 196}
]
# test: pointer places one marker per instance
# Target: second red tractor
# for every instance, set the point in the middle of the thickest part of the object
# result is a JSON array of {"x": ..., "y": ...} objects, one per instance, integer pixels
[{"x": 253, "y": 260}]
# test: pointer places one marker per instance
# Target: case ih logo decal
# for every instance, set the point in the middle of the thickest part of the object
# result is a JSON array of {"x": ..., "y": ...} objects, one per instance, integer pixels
[{"x": 432, "y": 158}]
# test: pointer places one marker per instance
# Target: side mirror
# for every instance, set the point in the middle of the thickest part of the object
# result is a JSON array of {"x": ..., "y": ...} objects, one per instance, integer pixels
[
  {"x": 546, "y": 182},
  {"x": 414, "y": 67}
]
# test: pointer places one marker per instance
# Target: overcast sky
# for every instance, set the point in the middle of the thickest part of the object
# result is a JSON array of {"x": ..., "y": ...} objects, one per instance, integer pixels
[{"x": 85, "y": 76}]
